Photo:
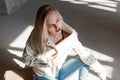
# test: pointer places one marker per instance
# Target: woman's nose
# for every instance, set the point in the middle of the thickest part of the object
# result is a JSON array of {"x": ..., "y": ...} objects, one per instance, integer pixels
[{"x": 56, "y": 27}]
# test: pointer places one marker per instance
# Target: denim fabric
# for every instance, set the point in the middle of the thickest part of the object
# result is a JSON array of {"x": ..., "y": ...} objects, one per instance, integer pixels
[
  {"x": 68, "y": 69},
  {"x": 41, "y": 78},
  {"x": 71, "y": 66}
]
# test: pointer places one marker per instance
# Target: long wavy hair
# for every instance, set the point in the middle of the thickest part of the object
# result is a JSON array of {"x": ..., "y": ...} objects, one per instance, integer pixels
[{"x": 39, "y": 35}]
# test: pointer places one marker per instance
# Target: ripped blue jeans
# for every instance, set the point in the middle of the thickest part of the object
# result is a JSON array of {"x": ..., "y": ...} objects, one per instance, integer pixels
[{"x": 68, "y": 69}]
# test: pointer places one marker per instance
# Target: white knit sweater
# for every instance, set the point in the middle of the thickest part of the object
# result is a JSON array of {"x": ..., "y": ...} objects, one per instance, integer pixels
[{"x": 69, "y": 46}]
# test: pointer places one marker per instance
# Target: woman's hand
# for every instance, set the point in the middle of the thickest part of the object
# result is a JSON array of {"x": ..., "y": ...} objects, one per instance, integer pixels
[
  {"x": 102, "y": 77},
  {"x": 54, "y": 55},
  {"x": 54, "y": 60}
]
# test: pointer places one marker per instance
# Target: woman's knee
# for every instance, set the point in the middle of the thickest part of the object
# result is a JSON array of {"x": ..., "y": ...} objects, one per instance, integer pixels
[
  {"x": 83, "y": 75},
  {"x": 41, "y": 78}
]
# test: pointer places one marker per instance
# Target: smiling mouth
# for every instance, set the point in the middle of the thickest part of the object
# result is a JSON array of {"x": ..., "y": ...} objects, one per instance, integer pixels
[{"x": 58, "y": 30}]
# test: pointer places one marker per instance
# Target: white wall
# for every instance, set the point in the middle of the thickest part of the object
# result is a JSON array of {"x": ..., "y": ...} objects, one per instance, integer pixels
[{"x": 10, "y": 6}]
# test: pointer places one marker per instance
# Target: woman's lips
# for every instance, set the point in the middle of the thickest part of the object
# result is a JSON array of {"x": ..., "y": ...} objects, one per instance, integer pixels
[{"x": 58, "y": 30}]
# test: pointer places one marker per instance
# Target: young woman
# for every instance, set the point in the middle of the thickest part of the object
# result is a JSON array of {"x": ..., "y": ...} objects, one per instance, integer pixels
[{"x": 49, "y": 45}]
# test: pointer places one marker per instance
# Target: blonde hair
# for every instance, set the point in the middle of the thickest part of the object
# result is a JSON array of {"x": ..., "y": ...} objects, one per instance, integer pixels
[{"x": 39, "y": 36}]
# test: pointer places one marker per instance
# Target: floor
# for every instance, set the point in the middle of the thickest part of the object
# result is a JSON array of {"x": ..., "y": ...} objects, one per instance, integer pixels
[{"x": 97, "y": 23}]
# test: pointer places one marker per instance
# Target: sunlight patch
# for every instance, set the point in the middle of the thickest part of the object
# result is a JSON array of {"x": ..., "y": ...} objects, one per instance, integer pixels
[
  {"x": 100, "y": 56},
  {"x": 76, "y": 2},
  {"x": 21, "y": 64},
  {"x": 107, "y": 5},
  {"x": 15, "y": 52},
  {"x": 98, "y": 1},
  {"x": 103, "y": 8},
  {"x": 114, "y": 5},
  {"x": 110, "y": 69},
  {"x": 19, "y": 42},
  {"x": 11, "y": 75}
]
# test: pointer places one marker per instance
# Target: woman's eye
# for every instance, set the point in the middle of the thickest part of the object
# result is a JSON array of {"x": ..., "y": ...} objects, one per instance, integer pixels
[
  {"x": 50, "y": 25},
  {"x": 58, "y": 20}
]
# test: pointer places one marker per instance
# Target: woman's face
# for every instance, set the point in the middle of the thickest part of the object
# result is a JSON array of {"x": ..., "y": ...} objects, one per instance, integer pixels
[{"x": 54, "y": 23}]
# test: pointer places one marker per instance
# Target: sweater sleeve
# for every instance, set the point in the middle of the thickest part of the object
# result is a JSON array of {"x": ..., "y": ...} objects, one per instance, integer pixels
[
  {"x": 83, "y": 53},
  {"x": 30, "y": 60},
  {"x": 89, "y": 59},
  {"x": 98, "y": 68}
]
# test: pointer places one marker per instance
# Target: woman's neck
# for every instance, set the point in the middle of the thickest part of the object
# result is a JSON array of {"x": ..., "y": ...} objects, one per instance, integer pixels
[{"x": 57, "y": 38}]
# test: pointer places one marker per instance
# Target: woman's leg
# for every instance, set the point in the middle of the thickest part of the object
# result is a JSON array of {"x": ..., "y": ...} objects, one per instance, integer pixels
[
  {"x": 41, "y": 78},
  {"x": 83, "y": 73},
  {"x": 70, "y": 67}
]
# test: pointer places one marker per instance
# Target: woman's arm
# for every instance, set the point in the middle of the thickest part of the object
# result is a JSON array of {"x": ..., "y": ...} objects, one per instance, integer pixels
[
  {"x": 90, "y": 60},
  {"x": 30, "y": 60},
  {"x": 84, "y": 55},
  {"x": 99, "y": 69}
]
